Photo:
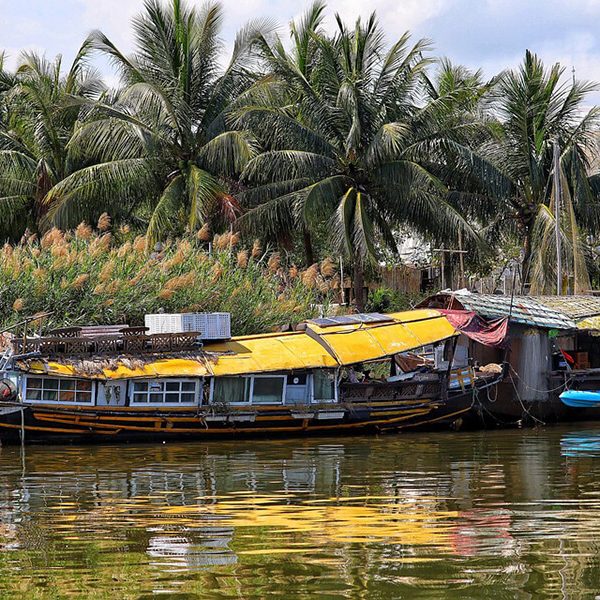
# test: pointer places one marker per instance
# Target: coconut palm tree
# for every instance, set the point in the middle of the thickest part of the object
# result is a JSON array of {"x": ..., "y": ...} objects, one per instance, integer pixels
[
  {"x": 165, "y": 133},
  {"x": 348, "y": 140},
  {"x": 37, "y": 122},
  {"x": 535, "y": 107}
]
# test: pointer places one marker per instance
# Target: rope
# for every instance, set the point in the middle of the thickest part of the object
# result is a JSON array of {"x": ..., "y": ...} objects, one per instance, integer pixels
[
  {"x": 499, "y": 421},
  {"x": 523, "y": 407},
  {"x": 563, "y": 385},
  {"x": 495, "y": 388},
  {"x": 491, "y": 414},
  {"x": 496, "y": 419}
]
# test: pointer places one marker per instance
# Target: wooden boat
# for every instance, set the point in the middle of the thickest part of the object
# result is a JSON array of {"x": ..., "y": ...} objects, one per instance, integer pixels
[{"x": 81, "y": 388}]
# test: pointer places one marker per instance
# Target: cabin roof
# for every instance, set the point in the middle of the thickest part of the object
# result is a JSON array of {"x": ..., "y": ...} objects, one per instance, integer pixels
[
  {"x": 352, "y": 343},
  {"x": 316, "y": 347},
  {"x": 575, "y": 307},
  {"x": 526, "y": 310},
  {"x": 548, "y": 312},
  {"x": 259, "y": 354}
]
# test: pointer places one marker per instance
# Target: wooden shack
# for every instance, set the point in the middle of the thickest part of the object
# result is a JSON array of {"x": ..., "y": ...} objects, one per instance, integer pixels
[{"x": 553, "y": 343}]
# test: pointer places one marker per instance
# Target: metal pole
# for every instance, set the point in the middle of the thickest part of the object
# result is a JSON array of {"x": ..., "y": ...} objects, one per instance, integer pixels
[
  {"x": 461, "y": 260},
  {"x": 443, "y": 268},
  {"x": 342, "y": 280},
  {"x": 557, "y": 199}
]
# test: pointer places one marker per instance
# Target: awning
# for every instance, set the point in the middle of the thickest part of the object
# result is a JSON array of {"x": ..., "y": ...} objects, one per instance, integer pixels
[
  {"x": 351, "y": 344},
  {"x": 271, "y": 352},
  {"x": 123, "y": 368},
  {"x": 489, "y": 333}
]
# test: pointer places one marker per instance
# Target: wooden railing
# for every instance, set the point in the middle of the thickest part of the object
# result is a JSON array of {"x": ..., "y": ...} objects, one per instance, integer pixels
[{"x": 123, "y": 343}]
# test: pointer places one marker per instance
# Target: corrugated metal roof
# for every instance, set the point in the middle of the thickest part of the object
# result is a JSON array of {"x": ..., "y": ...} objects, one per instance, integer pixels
[
  {"x": 527, "y": 310},
  {"x": 575, "y": 307}
]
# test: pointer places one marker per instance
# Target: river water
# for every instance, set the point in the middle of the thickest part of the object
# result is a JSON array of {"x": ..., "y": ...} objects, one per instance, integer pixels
[{"x": 500, "y": 514}]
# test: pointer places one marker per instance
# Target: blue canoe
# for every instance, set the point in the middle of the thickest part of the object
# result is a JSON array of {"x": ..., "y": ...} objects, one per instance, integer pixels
[{"x": 580, "y": 399}]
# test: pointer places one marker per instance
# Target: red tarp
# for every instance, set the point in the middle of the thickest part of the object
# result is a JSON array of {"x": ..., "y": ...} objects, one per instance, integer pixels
[{"x": 489, "y": 333}]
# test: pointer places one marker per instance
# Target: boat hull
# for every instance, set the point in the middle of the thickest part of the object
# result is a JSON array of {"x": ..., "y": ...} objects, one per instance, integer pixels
[
  {"x": 580, "y": 399},
  {"x": 47, "y": 424}
]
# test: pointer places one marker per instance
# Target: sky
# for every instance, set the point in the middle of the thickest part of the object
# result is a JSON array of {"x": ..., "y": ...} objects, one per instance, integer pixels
[{"x": 491, "y": 34}]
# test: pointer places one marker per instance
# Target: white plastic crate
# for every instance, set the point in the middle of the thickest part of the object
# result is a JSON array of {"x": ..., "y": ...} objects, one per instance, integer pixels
[
  {"x": 218, "y": 326},
  {"x": 212, "y": 326}
]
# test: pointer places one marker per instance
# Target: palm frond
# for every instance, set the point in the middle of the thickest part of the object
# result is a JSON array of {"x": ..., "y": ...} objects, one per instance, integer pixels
[
  {"x": 228, "y": 152},
  {"x": 106, "y": 187},
  {"x": 204, "y": 190},
  {"x": 163, "y": 219}
]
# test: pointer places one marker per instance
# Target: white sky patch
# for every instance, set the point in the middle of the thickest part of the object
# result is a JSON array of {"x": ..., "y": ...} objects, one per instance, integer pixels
[
  {"x": 492, "y": 34},
  {"x": 113, "y": 17}
]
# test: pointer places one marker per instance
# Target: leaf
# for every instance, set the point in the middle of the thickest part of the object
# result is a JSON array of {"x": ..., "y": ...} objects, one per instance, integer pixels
[{"x": 163, "y": 218}]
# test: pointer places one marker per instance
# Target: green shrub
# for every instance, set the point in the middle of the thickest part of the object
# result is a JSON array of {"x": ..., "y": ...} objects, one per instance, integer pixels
[
  {"x": 383, "y": 300},
  {"x": 84, "y": 278}
]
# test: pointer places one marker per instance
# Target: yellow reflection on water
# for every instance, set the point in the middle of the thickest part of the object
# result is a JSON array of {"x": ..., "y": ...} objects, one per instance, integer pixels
[{"x": 376, "y": 519}]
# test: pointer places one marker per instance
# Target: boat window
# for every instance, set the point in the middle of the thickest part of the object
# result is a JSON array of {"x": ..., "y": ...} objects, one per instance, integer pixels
[
  {"x": 323, "y": 386},
  {"x": 164, "y": 391},
  {"x": 231, "y": 390},
  {"x": 268, "y": 390},
  {"x": 54, "y": 389}
]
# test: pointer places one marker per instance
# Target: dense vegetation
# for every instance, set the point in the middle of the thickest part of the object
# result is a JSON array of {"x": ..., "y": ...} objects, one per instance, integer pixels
[
  {"x": 324, "y": 143},
  {"x": 89, "y": 277}
]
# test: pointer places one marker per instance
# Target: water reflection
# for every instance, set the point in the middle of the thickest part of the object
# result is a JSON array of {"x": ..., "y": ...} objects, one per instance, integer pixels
[
  {"x": 508, "y": 513},
  {"x": 585, "y": 443}
]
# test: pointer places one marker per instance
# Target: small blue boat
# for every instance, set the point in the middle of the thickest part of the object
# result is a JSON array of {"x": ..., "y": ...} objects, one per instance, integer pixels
[{"x": 580, "y": 399}]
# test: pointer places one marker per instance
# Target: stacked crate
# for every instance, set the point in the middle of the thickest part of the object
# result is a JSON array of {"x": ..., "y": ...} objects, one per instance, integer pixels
[{"x": 211, "y": 326}]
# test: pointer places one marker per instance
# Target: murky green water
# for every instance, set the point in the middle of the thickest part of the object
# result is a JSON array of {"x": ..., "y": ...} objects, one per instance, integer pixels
[{"x": 510, "y": 514}]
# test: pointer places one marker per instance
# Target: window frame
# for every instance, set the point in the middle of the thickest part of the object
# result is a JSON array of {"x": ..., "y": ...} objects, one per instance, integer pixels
[
  {"x": 213, "y": 380},
  {"x": 198, "y": 387},
  {"x": 333, "y": 400},
  {"x": 42, "y": 376},
  {"x": 269, "y": 376},
  {"x": 252, "y": 377}
]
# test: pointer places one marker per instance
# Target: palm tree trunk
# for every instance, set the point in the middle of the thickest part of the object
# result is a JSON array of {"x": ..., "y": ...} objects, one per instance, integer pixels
[
  {"x": 308, "y": 247},
  {"x": 359, "y": 285},
  {"x": 527, "y": 247}
]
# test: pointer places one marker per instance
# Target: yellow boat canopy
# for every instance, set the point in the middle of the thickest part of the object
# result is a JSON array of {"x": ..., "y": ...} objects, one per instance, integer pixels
[
  {"x": 317, "y": 347},
  {"x": 353, "y": 343},
  {"x": 270, "y": 352},
  {"x": 124, "y": 369}
]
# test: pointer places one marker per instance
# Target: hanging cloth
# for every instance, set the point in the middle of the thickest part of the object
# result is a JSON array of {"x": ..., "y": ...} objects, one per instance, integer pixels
[{"x": 489, "y": 333}]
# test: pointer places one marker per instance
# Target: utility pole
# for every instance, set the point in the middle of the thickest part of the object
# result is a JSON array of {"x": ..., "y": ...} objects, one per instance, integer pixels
[
  {"x": 451, "y": 251},
  {"x": 557, "y": 202}
]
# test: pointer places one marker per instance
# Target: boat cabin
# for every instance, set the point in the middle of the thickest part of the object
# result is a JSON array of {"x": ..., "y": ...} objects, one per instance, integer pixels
[
  {"x": 318, "y": 386},
  {"x": 352, "y": 373}
]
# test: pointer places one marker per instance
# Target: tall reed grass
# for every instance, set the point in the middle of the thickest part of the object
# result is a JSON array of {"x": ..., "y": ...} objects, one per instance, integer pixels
[{"x": 86, "y": 277}]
